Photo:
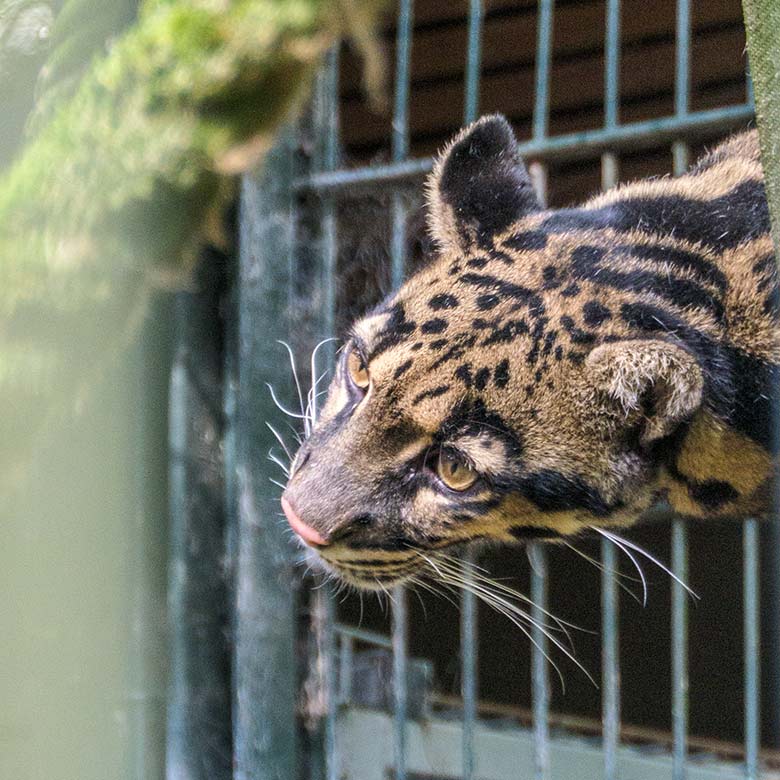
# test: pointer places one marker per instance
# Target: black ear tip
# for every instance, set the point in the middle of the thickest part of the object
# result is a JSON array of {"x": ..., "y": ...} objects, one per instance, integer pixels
[{"x": 490, "y": 136}]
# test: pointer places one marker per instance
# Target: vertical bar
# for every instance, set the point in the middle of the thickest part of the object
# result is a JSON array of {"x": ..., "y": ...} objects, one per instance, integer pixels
[
  {"x": 326, "y": 606},
  {"x": 544, "y": 32},
  {"x": 264, "y": 673},
  {"x": 400, "y": 150},
  {"x": 327, "y": 120},
  {"x": 752, "y": 646},
  {"x": 346, "y": 661},
  {"x": 473, "y": 61},
  {"x": 198, "y": 730},
  {"x": 469, "y": 609},
  {"x": 609, "y": 160},
  {"x": 323, "y": 608},
  {"x": 682, "y": 84},
  {"x": 400, "y": 136},
  {"x": 680, "y": 683},
  {"x": 610, "y": 662},
  {"x": 610, "y": 669},
  {"x": 400, "y": 679},
  {"x": 468, "y": 645},
  {"x": 540, "y": 683},
  {"x": 540, "y": 672}
]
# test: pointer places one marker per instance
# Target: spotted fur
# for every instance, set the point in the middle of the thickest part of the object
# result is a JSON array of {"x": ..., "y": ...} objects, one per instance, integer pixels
[{"x": 584, "y": 361}]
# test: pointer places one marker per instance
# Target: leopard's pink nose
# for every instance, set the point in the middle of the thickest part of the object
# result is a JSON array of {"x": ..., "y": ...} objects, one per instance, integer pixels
[{"x": 306, "y": 532}]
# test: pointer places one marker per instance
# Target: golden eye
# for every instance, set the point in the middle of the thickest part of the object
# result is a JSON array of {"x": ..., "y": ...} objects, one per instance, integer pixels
[
  {"x": 358, "y": 371},
  {"x": 454, "y": 473}
]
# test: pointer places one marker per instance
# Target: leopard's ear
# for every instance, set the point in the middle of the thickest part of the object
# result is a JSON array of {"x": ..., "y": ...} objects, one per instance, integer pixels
[
  {"x": 479, "y": 186},
  {"x": 661, "y": 382}
]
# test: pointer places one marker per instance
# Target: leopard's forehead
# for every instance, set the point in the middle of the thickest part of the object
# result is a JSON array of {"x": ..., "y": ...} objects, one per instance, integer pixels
[{"x": 508, "y": 320}]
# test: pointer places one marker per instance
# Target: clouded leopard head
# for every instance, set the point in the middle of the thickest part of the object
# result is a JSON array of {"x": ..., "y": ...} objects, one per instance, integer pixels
[{"x": 493, "y": 397}]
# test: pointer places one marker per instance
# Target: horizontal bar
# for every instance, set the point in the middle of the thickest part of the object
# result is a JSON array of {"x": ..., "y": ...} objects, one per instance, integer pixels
[
  {"x": 563, "y": 147},
  {"x": 364, "y": 635}
]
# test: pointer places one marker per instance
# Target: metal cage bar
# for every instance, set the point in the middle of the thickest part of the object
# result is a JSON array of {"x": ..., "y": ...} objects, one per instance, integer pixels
[
  {"x": 750, "y": 551},
  {"x": 610, "y": 663},
  {"x": 539, "y": 663},
  {"x": 679, "y": 628},
  {"x": 469, "y": 608},
  {"x": 610, "y": 660},
  {"x": 609, "y": 163},
  {"x": 327, "y": 121},
  {"x": 569, "y": 146},
  {"x": 400, "y": 150},
  {"x": 540, "y": 684},
  {"x": 468, "y": 644}
]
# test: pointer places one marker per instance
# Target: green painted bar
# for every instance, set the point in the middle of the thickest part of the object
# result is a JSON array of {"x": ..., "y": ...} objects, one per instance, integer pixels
[
  {"x": 540, "y": 677},
  {"x": 264, "y": 674},
  {"x": 610, "y": 607},
  {"x": 610, "y": 659},
  {"x": 327, "y": 125},
  {"x": 400, "y": 631},
  {"x": 682, "y": 85},
  {"x": 400, "y": 137},
  {"x": 403, "y": 56},
  {"x": 680, "y": 682},
  {"x": 469, "y": 659},
  {"x": 544, "y": 34},
  {"x": 752, "y": 647},
  {"x": 199, "y": 734},
  {"x": 400, "y": 149},
  {"x": 469, "y": 606},
  {"x": 679, "y": 649},
  {"x": 540, "y": 683},
  {"x": 609, "y": 160},
  {"x": 572, "y": 146},
  {"x": 473, "y": 61}
]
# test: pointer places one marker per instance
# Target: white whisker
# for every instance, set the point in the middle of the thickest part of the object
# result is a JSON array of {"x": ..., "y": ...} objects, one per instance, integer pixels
[
  {"x": 600, "y": 566},
  {"x": 281, "y": 406},
  {"x": 618, "y": 539},
  {"x": 452, "y": 575},
  {"x": 294, "y": 372},
  {"x": 279, "y": 439},
  {"x": 618, "y": 543},
  {"x": 279, "y": 463}
]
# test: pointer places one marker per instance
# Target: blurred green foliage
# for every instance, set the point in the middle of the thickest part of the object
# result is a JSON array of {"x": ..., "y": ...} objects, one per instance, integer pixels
[
  {"x": 762, "y": 23},
  {"x": 142, "y": 117}
]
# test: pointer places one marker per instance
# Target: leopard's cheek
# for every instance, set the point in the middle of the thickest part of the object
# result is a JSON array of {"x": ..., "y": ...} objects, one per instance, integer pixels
[{"x": 512, "y": 518}]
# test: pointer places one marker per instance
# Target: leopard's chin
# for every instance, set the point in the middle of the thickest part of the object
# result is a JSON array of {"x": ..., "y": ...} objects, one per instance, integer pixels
[{"x": 363, "y": 573}]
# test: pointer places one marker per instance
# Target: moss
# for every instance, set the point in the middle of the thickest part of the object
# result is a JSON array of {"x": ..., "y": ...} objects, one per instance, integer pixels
[
  {"x": 762, "y": 22},
  {"x": 112, "y": 192}
]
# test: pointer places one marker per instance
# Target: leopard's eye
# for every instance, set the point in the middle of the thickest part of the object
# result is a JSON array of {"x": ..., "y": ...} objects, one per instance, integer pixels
[
  {"x": 357, "y": 370},
  {"x": 454, "y": 472}
]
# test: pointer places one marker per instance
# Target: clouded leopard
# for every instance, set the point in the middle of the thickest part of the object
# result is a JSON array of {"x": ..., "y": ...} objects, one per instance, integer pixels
[{"x": 552, "y": 371}]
